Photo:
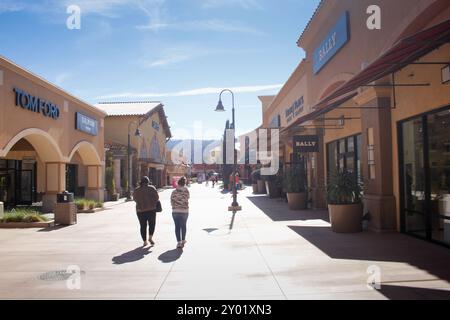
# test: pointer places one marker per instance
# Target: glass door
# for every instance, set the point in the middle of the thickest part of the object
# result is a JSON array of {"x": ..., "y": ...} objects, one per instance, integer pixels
[
  {"x": 425, "y": 176},
  {"x": 25, "y": 191},
  {"x": 413, "y": 168}
]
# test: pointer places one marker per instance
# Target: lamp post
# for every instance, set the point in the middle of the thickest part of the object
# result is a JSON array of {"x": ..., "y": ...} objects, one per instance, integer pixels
[
  {"x": 136, "y": 134},
  {"x": 220, "y": 108}
]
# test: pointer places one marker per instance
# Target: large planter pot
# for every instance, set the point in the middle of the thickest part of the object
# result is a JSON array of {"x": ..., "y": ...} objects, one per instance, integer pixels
[
  {"x": 297, "y": 201},
  {"x": 261, "y": 187},
  {"x": 272, "y": 189},
  {"x": 346, "y": 218},
  {"x": 255, "y": 188}
]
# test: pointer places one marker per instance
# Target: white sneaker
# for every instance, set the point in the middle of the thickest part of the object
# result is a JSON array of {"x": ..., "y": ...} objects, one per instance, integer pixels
[{"x": 145, "y": 244}]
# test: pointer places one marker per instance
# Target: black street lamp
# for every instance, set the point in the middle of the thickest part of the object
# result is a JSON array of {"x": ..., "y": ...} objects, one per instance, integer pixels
[
  {"x": 220, "y": 108},
  {"x": 137, "y": 133}
]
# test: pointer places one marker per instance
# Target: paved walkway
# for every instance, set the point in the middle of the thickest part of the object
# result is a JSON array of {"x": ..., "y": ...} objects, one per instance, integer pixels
[{"x": 272, "y": 253}]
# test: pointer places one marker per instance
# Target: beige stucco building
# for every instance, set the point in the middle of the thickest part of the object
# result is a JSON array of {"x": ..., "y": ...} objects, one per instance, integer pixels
[
  {"x": 50, "y": 141},
  {"x": 148, "y": 156},
  {"x": 378, "y": 103}
]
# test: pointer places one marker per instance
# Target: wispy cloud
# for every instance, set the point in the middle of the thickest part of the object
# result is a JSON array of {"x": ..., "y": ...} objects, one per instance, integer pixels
[
  {"x": 246, "y": 4},
  {"x": 61, "y": 78},
  {"x": 215, "y": 25},
  {"x": 11, "y": 6},
  {"x": 171, "y": 56},
  {"x": 193, "y": 92}
]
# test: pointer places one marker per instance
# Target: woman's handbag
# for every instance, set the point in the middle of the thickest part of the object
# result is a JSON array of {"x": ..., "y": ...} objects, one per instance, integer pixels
[{"x": 158, "y": 206}]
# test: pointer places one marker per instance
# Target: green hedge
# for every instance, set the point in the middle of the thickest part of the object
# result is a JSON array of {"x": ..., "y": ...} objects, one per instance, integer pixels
[
  {"x": 23, "y": 215},
  {"x": 85, "y": 204}
]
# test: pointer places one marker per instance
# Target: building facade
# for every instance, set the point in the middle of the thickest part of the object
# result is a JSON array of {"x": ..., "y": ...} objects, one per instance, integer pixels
[
  {"x": 145, "y": 124},
  {"x": 50, "y": 141},
  {"x": 377, "y": 103}
]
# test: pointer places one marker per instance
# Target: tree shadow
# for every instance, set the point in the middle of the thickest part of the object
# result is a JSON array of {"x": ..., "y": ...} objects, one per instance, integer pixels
[
  {"x": 412, "y": 293},
  {"x": 170, "y": 256},
  {"x": 132, "y": 256},
  {"x": 278, "y": 210}
]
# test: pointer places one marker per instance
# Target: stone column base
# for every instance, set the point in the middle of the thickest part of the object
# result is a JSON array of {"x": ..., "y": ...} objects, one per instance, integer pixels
[
  {"x": 95, "y": 194},
  {"x": 48, "y": 202},
  {"x": 382, "y": 213}
]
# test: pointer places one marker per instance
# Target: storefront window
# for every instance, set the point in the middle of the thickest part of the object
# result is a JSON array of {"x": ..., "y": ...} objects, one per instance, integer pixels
[{"x": 345, "y": 155}]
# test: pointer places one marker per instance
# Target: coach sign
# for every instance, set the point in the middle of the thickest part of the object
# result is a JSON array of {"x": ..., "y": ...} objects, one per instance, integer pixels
[
  {"x": 334, "y": 41},
  {"x": 86, "y": 124},
  {"x": 306, "y": 144}
]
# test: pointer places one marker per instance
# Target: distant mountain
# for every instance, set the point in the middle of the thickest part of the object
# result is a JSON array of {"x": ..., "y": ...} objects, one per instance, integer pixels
[{"x": 205, "y": 144}]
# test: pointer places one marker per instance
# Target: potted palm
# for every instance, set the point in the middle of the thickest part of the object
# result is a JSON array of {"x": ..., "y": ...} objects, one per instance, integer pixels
[
  {"x": 261, "y": 183},
  {"x": 295, "y": 187},
  {"x": 256, "y": 175},
  {"x": 272, "y": 186},
  {"x": 345, "y": 203}
]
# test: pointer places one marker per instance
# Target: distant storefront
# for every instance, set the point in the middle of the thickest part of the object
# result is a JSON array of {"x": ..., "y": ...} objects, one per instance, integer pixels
[
  {"x": 50, "y": 141},
  {"x": 146, "y": 125},
  {"x": 378, "y": 102}
]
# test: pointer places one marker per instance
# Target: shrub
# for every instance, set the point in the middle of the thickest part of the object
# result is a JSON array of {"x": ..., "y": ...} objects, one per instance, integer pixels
[
  {"x": 343, "y": 188},
  {"x": 99, "y": 204},
  {"x": 91, "y": 204},
  {"x": 295, "y": 179},
  {"x": 80, "y": 203}
]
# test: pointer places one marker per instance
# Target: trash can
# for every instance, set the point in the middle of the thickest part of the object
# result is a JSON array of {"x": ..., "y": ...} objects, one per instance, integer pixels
[
  {"x": 65, "y": 209},
  {"x": 1, "y": 210}
]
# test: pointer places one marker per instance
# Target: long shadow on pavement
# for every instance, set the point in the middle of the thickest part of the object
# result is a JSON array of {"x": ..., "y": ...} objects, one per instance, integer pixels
[
  {"x": 132, "y": 256},
  {"x": 389, "y": 247},
  {"x": 171, "y": 256},
  {"x": 278, "y": 210}
]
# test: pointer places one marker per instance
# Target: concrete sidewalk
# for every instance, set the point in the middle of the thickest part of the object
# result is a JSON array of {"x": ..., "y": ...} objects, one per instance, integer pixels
[{"x": 272, "y": 253}]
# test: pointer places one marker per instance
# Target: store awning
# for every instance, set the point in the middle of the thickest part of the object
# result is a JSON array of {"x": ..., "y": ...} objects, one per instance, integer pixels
[{"x": 403, "y": 53}]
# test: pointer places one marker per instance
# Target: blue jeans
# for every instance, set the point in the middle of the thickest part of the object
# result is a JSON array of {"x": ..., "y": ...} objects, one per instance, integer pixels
[{"x": 180, "y": 220}]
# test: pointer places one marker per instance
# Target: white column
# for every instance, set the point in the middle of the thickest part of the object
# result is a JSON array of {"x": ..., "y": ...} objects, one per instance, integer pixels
[{"x": 117, "y": 175}]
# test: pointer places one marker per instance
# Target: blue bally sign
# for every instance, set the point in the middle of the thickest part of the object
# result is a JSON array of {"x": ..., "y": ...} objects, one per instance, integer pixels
[
  {"x": 334, "y": 41},
  {"x": 86, "y": 124},
  {"x": 35, "y": 104}
]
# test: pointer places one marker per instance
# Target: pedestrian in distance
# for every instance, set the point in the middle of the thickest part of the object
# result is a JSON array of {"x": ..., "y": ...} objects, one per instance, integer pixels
[
  {"x": 180, "y": 211},
  {"x": 146, "y": 198}
]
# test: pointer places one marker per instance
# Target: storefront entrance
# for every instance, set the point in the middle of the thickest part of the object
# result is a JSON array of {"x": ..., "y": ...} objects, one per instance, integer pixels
[
  {"x": 424, "y": 143},
  {"x": 17, "y": 182}
]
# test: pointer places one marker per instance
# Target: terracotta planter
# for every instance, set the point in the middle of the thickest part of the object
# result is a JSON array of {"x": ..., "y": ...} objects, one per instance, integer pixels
[
  {"x": 346, "y": 218},
  {"x": 272, "y": 189},
  {"x": 261, "y": 187},
  {"x": 255, "y": 188},
  {"x": 297, "y": 201}
]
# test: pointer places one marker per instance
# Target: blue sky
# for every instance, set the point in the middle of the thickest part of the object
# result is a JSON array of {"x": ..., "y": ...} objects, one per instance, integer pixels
[{"x": 179, "y": 52}]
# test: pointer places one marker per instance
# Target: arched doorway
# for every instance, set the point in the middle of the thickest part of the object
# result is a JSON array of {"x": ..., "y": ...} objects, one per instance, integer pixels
[
  {"x": 31, "y": 167},
  {"x": 84, "y": 172}
]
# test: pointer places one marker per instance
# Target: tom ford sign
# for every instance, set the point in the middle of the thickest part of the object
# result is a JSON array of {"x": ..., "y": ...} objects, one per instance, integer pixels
[
  {"x": 35, "y": 104},
  {"x": 338, "y": 36}
]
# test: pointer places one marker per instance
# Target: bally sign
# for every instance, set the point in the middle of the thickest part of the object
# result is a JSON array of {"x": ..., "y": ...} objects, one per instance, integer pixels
[
  {"x": 334, "y": 41},
  {"x": 306, "y": 144}
]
